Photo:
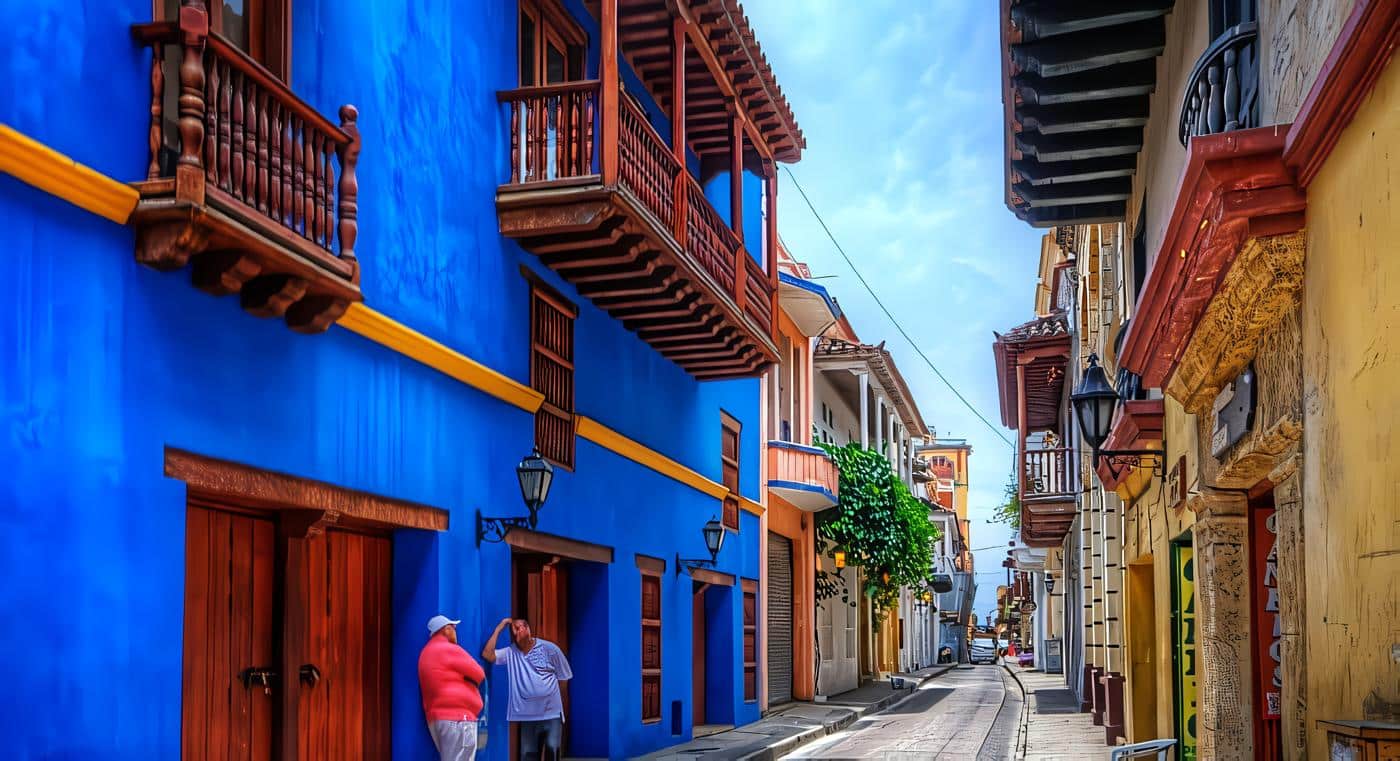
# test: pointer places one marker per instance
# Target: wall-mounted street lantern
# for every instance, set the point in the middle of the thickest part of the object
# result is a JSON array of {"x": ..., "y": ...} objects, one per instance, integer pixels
[
  {"x": 1094, "y": 402},
  {"x": 840, "y": 557},
  {"x": 535, "y": 475},
  {"x": 1049, "y": 584},
  {"x": 714, "y": 540}
]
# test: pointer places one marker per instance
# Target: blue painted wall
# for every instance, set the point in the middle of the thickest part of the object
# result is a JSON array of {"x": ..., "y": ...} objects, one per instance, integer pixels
[{"x": 104, "y": 363}]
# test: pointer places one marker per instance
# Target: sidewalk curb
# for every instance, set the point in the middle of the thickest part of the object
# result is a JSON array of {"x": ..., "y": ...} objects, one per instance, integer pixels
[
  {"x": 854, "y": 714},
  {"x": 1018, "y": 750}
]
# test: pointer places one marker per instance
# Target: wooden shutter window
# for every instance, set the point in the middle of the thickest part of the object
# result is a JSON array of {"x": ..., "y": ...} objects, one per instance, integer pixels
[
  {"x": 729, "y": 458},
  {"x": 750, "y": 589},
  {"x": 651, "y": 646},
  {"x": 552, "y": 373}
]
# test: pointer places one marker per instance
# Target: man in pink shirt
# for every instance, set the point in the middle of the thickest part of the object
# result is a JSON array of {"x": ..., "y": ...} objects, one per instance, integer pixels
[{"x": 450, "y": 680}]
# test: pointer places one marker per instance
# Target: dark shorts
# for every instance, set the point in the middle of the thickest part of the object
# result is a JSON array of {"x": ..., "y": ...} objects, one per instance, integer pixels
[{"x": 534, "y": 734}]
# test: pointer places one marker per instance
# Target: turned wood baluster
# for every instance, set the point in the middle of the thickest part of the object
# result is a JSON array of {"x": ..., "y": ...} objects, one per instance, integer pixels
[
  {"x": 263, "y": 102},
  {"x": 515, "y": 141},
  {"x": 298, "y": 176},
  {"x": 250, "y": 143},
  {"x": 1215, "y": 115},
  {"x": 157, "y": 105},
  {"x": 349, "y": 184},
  {"x": 235, "y": 85},
  {"x": 189, "y": 173},
  {"x": 1232, "y": 92},
  {"x": 315, "y": 223},
  {"x": 556, "y": 107},
  {"x": 289, "y": 132},
  {"x": 308, "y": 181},
  {"x": 588, "y": 134},
  {"x": 274, "y": 161},
  {"x": 211, "y": 123},
  {"x": 329, "y": 194},
  {"x": 225, "y": 123}
]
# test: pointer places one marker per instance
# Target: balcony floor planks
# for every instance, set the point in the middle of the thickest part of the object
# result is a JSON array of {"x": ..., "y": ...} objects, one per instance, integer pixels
[{"x": 604, "y": 242}]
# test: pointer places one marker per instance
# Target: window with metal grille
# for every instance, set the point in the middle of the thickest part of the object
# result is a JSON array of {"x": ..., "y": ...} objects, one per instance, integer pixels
[
  {"x": 750, "y": 590},
  {"x": 729, "y": 458},
  {"x": 552, "y": 372},
  {"x": 651, "y": 645}
]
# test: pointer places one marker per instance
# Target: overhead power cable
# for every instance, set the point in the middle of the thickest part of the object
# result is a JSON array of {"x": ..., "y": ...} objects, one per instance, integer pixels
[{"x": 883, "y": 308}]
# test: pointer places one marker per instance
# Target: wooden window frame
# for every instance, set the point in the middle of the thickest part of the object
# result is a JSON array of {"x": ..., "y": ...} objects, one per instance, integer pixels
[
  {"x": 551, "y": 20},
  {"x": 749, "y": 599},
  {"x": 269, "y": 30},
  {"x": 728, "y": 425},
  {"x": 541, "y": 291},
  {"x": 651, "y": 572}
]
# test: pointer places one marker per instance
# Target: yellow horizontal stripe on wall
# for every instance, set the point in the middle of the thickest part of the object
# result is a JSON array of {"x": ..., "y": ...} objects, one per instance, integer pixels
[
  {"x": 56, "y": 174},
  {"x": 609, "y": 439},
  {"x": 394, "y": 335}
]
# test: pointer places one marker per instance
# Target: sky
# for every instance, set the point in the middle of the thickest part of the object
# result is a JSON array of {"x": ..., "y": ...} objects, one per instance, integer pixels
[{"x": 901, "y": 106}]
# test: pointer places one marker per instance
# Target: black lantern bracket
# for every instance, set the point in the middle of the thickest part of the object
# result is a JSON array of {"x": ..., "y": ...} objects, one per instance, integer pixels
[
  {"x": 495, "y": 529},
  {"x": 1119, "y": 460},
  {"x": 535, "y": 475},
  {"x": 714, "y": 540}
]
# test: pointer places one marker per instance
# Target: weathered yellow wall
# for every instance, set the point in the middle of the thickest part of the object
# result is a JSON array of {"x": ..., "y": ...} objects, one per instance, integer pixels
[
  {"x": 1351, "y": 429},
  {"x": 1151, "y": 525}
]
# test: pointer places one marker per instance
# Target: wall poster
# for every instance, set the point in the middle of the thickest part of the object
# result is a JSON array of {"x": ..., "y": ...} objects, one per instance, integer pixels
[{"x": 1184, "y": 646}]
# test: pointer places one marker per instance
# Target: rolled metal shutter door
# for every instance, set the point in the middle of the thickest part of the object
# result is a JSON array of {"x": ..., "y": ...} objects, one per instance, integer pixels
[{"x": 779, "y": 619}]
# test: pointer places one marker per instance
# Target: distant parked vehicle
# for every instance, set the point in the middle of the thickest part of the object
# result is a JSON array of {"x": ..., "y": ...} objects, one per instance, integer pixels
[{"x": 982, "y": 653}]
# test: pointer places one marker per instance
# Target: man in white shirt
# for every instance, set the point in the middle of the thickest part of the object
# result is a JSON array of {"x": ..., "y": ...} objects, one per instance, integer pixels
[{"x": 534, "y": 669}]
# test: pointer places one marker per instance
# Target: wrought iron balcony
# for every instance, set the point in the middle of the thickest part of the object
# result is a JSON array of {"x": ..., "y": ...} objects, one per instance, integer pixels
[
  {"x": 247, "y": 182},
  {"x": 803, "y": 476},
  {"x": 648, "y": 248},
  {"x": 1222, "y": 93}
]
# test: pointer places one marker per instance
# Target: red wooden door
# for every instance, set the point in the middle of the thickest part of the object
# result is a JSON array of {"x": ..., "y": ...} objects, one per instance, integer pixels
[
  {"x": 229, "y": 585},
  {"x": 343, "y": 673}
]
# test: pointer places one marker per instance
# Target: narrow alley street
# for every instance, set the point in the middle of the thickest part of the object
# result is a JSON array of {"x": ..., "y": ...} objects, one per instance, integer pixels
[{"x": 953, "y": 716}]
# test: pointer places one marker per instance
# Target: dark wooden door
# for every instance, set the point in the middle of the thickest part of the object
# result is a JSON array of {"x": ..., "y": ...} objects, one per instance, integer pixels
[
  {"x": 229, "y": 604},
  {"x": 344, "y": 702},
  {"x": 541, "y": 592},
  {"x": 697, "y": 652}
]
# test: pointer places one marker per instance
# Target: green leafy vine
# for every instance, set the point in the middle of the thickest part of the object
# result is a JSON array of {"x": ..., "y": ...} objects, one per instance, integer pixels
[{"x": 880, "y": 525}]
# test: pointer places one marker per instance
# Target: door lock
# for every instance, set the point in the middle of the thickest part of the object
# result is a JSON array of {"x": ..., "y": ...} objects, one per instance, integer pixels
[{"x": 259, "y": 676}]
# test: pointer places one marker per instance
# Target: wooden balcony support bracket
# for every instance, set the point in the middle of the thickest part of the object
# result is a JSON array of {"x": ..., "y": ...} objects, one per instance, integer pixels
[
  {"x": 609, "y": 100},
  {"x": 252, "y": 198}
]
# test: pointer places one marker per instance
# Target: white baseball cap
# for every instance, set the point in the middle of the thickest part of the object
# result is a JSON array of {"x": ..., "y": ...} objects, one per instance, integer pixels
[{"x": 439, "y": 621}]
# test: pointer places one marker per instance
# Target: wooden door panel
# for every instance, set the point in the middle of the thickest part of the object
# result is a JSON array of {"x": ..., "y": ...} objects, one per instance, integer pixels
[
  {"x": 229, "y": 607},
  {"x": 345, "y": 715}
]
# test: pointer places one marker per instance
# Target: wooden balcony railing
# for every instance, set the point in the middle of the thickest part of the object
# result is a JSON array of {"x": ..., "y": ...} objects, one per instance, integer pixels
[
  {"x": 1045, "y": 473},
  {"x": 554, "y": 142},
  {"x": 804, "y": 475},
  {"x": 551, "y": 135},
  {"x": 280, "y": 175},
  {"x": 1222, "y": 93}
]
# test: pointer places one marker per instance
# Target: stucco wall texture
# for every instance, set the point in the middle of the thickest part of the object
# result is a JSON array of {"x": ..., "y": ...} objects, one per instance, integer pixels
[
  {"x": 105, "y": 363},
  {"x": 1351, "y": 311}
]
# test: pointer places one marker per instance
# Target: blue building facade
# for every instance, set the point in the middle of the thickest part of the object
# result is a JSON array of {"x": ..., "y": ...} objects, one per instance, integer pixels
[{"x": 114, "y": 371}]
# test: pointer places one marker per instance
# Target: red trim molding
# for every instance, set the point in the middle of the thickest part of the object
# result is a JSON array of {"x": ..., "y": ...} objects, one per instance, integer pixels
[
  {"x": 1361, "y": 53},
  {"x": 1137, "y": 424},
  {"x": 1235, "y": 186}
]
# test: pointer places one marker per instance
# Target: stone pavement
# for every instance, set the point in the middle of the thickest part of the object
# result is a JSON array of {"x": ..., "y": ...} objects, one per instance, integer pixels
[
  {"x": 1052, "y": 727},
  {"x": 952, "y": 717},
  {"x": 794, "y": 725}
]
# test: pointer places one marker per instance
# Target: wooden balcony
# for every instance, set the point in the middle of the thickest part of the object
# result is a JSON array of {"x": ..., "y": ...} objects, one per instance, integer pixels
[
  {"x": 646, "y": 246},
  {"x": 248, "y": 184},
  {"x": 1047, "y": 496},
  {"x": 803, "y": 476}
]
